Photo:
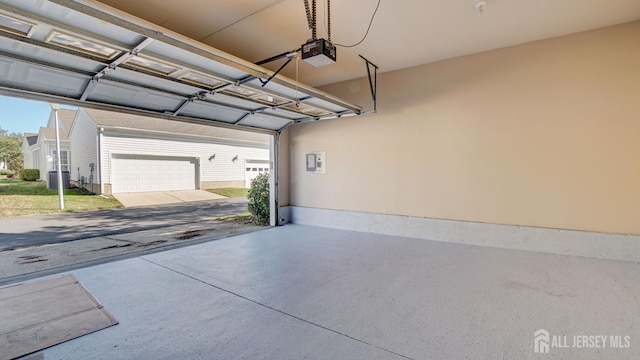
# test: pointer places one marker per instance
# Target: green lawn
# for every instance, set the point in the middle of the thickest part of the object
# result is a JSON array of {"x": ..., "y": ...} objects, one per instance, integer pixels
[
  {"x": 32, "y": 197},
  {"x": 230, "y": 192}
]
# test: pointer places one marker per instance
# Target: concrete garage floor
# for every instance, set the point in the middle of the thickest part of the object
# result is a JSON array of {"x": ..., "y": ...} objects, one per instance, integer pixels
[{"x": 298, "y": 292}]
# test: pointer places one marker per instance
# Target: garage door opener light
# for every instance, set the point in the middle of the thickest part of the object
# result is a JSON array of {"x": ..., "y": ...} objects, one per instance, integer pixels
[
  {"x": 480, "y": 6},
  {"x": 318, "y": 52}
]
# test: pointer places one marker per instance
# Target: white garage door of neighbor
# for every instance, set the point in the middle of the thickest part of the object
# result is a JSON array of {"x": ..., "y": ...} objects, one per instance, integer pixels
[
  {"x": 253, "y": 169},
  {"x": 146, "y": 173}
]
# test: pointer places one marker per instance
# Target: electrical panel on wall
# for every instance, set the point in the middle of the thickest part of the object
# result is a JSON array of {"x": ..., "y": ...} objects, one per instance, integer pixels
[
  {"x": 316, "y": 162},
  {"x": 311, "y": 162}
]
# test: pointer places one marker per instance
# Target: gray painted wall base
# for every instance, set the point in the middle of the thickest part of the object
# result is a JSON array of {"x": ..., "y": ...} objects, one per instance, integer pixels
[
  {"x": 556, "y": 241},
  {"x": 284, "y": 215}
]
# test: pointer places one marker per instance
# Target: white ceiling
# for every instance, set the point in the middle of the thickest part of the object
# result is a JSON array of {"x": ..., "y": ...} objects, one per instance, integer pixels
[{"x": 403, "y": 34}]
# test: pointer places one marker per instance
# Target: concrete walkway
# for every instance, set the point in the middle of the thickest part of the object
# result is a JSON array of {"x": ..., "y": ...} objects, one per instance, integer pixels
[
  {"x": 299, "y": 292},
  {"x": 164, "y": 197}
]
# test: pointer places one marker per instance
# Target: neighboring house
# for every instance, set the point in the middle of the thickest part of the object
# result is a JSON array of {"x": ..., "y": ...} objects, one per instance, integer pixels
[
  {"x": 39, "y": 149},
  {"x": 29, "y": 142},
  {"x": 108, "y": 152},
  {"x": 115, "y": 152}
]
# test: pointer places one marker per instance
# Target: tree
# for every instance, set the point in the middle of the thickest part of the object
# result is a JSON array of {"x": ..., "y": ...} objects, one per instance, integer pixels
[{"x": 11, "y": 150}]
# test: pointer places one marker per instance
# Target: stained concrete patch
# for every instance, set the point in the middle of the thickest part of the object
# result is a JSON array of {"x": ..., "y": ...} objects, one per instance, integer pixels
[
  {"x": 164, "y": 197},
  {"x": 44, "y": 313}
]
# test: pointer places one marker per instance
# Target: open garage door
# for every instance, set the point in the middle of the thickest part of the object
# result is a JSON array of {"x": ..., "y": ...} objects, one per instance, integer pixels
[
  {"x": 135, "y": 173},
  {"x": 81, "y": 52}
]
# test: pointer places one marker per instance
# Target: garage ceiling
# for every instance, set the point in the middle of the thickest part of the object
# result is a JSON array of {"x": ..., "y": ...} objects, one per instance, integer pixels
[
  {"x": 84, "y": 53},
  {"x": 190, "y": 81},
  {"x": 403, "y": 34}
]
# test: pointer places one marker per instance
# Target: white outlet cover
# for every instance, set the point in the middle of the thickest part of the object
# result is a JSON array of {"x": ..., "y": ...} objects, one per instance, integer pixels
[{"x": 321, "y": 162}]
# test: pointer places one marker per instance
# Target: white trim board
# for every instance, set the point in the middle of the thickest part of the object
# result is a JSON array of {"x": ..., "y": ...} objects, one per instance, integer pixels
[{"x": 556, "y": 241}]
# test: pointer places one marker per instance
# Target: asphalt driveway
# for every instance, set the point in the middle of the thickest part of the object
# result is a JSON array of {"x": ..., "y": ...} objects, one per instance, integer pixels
[{"x": 29, "y": 231}]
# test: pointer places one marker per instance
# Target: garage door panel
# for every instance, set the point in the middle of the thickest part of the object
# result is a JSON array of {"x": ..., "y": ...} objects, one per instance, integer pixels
[
  {"x": 138, "y": 173},
  {"x": 85, "y": 71}
]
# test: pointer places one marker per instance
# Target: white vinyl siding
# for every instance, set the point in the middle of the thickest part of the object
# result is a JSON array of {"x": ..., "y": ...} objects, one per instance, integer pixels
[
  {"x": 83, "y": 138},
  {"x": 37, "y": 160},
  {"x": 27, "y": 154},
  {"x": 40, "y": 157},
  {"x": 28, "y": 160},
  {"x": 221, "y": 167}
]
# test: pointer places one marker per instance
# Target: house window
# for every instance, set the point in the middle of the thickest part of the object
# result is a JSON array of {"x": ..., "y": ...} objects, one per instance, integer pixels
[{"x": 64, "y": 160}]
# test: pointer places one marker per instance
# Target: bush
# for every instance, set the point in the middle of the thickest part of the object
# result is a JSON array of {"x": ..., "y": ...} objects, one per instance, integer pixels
[
  {"x": 8, "y": 173},
  {"x": 259, "y": 199},
  {"x": 29, "y": 174}
]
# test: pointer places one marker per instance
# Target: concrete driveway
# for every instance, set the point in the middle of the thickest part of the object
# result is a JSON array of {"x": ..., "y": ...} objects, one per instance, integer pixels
[{"x": 164, "y": 197}]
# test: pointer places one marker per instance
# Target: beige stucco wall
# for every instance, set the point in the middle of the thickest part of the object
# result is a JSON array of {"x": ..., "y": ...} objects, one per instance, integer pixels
[{"x": 543, "y": 134}]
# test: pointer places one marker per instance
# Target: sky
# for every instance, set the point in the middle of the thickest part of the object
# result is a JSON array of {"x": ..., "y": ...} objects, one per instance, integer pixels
[{"x": 20, "y": 115}]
